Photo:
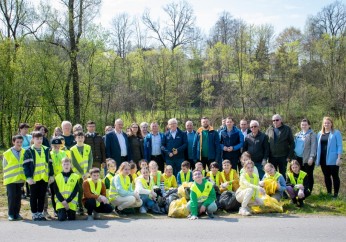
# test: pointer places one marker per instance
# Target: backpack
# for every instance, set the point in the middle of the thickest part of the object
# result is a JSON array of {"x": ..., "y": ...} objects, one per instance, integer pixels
[{"x": 229, "y": 202}]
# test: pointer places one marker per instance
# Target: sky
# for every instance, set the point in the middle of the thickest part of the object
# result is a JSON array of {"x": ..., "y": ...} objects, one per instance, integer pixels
[{"x": 279, "y": 13}]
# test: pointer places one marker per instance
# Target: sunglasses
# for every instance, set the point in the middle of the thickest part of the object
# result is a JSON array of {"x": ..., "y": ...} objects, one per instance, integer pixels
[
  {"x": 252, "y": 127},
  {"x": 276, "y": 120}
]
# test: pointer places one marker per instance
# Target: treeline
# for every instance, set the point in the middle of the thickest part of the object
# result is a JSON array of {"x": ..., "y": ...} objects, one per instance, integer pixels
[{"x": 58, "y": 65}]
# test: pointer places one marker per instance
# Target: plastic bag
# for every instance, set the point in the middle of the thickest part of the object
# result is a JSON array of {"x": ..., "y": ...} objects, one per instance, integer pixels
[
  {"x": 229, "y": 202},
  {"x": 270, "y": 205},
  {"x": 184, "y": 190},
  {"x": 178, "y": 208},
  {"x": 270, "y": 186}
]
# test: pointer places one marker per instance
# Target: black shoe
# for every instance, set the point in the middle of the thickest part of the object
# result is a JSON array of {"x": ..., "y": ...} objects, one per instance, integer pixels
[
  {"x": 300, "y": 203},
  {"x": 294, "y": 201},
  {"x": 19, "y": 217},
  {"x": 81, "y": 212},
  {"x": 210, "y": 215}
]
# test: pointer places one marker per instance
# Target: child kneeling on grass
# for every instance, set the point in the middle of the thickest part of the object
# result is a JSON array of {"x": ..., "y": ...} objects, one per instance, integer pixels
[
  {"x": 66, "y": 188},
  {"x": 297, "y": 184},
  {"x": 202, "y": 197}
]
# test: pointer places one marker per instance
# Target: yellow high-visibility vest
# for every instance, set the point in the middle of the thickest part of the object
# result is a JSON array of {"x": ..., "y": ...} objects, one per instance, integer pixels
[
  {"x": 202, "y": 195},
  {"x": 95, "y": 190},
  {"x": 253, "y": 181},
  {"x": 300, "y": 179},
  {"x": 216, "y": 179},
  {"x": 82, "y": 160},
  {"x": 66, "y": 189},
  {"x": 56, "y": 159},
  {"x": 125, "y": 184},
  {"x": 41, "y": 166},
  {"x": 182, "y": 176},
  {"x": 231, "y": 175},
  {"x": 13, "y": 171}
]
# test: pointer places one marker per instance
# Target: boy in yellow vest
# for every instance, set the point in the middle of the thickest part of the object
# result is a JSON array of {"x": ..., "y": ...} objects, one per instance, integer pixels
[
  {"x": 202, "y": 197},
  {"x": 185, "y": 174},
  {"x": 38, "y": 169},
  {"x": 94, "y": 195},
  {"x": 229, "y": 179},
  {"x": 111, "y": 167},
  {"x": 82, "y": 160},
  {"x": 66, "y": 188},
  {"x": 56, "y": 154},
  {"x": 214, "y": 174},
  {"x": 199, "y": 166},
  {"x": 14, "y": 177}
]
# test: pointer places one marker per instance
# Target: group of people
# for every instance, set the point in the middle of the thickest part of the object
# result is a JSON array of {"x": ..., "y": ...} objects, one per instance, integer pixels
[{"x": 143, "y": 165}]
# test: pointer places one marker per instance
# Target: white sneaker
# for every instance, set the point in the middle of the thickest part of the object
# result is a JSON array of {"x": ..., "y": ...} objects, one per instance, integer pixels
[
  {"x": 90, "y": 218},
  {"x": 142, "y": 210},
  {"x": 96, "y": 215},
  {"x": 244, "y": 212}
]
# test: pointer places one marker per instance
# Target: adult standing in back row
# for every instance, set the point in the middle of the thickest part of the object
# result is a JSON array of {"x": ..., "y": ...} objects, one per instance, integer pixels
[
  {"x": 281, "y": 144},
  {"x": 174, "y": 144},
  {"x": 97, "y": 145}
]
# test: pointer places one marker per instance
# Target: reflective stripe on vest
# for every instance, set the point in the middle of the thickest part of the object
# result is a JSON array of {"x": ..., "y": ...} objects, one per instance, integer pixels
[
  {"x": 96, "y": 191},
  {"x": 300, "y": 179},
  {"x": 13, "y": 171},
  {"x": 66, "y": 190},
  {"x": 202, "y": 196},
  {"x": 253, "y": 181},
  {"x": 182, "y": 176},
  {"x": 113, "y": 193},
  {"x": 231, "y": 175},
  {"x": 82, "y": 160},
  {"x": 216, "y": 179},
  {"x": 41, "y": 166},
  {"x": 56, "y": 159}
]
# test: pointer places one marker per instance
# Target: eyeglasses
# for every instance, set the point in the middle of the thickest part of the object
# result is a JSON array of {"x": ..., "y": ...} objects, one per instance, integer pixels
[
  {"x": 252, "y": 127},
  {"x": 276, "y": 120},
  {"x": 134, "y": 127}
]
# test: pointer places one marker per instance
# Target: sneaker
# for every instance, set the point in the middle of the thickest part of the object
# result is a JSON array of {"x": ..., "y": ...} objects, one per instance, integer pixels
[
  {"x": 90, "y": 218},
  {"x": 19, "y": 217},
  {"x": 41, "y": 216},
  {"x": 142, "y": 210},
  {"x": 210, "y": 215},
  {"x": 35, "y": 217},
  {"x": 45, "y": 214},
  {"x": 10, "y": 218},
  {"x": 96, "y": 215},
  {"x": 244, "y": 212},
  {"x": 81, "y": 212},
  {"x": 300, "y": 203}
]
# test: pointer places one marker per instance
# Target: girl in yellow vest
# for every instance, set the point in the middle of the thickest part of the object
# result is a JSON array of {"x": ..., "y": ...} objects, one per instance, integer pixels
[
  {"x": 273, "y": 182},
  {"x": 199, "y": 166},
  {"x": 56, "y": 155},
  {"x": 297, "y": 183},
  {"x": 121, "y": 193},
  {"x": 38, "y": 170},
  {"x": 94, "y": 195},
  {"x": 144, "y": 187},
  {"x": 111, "y": 167},
  {"x": 66, "y": 188},
  {"x": 185, "y": 175},
  {"x": 202, "y": 197},
  {"x": 82, "y": 160},
  {"x": 142, "y": 164},
  {"x": 249, "y": 189},
  {"x": 214, "y": 174},
  {"x": 170, "y": 181},
  {"x": 14, "y": 177},
  {"x": 229, "y": 179},
  {"x": 155, "y": 174}
]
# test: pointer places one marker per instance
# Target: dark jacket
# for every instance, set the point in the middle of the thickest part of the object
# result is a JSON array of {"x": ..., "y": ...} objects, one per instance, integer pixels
[
  {"x": 257, "y": 146},
  {"x": 136, "y": 147},
  {"x": 283, "y": 144},
  {"x": 179, "y": 143},
  {"x": 97, "y": 148},
  {"x": 186, "y": 154},
  {"x": 69, "y": 141},
  {"x": 148, "y": 144},
  {"x": 213, "y": 145},
  {"x": 113, "y": 147},
  {"x": 30, "y": 162},
  {"x": 236, "y": 140}
]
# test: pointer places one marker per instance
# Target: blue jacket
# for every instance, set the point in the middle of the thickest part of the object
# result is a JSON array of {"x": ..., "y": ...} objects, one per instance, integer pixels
[
  {"x": 113, "y": 147},
  {"x": 179, "y": 143},
  {"x": 213, "y": 147},
  {"x": 148, "y": 144},
  {"x": 236, "y": 140},
  {"x": 334, "y": 147}
]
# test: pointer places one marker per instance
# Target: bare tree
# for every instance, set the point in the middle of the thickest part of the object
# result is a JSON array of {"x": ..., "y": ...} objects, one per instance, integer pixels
[
  {"x": 122, "y": 32},
  {"x": 178, "y": 28},
  {"x": 223, "y": 29}
]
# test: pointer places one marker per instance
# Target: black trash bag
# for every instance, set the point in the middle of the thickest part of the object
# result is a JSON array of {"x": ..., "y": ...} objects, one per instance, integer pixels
[{"x": 229, "y": 202}]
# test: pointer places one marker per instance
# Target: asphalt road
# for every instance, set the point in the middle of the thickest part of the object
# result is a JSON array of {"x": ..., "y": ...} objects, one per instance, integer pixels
[{"x": 226, "y": 229}]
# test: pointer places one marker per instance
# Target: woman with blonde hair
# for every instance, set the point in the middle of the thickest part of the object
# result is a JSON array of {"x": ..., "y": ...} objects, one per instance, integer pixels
[{"x": 329, "y": 152}]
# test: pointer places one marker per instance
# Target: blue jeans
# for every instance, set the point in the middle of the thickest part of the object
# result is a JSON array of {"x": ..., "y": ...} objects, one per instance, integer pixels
[{"x": 148, "y": 203}]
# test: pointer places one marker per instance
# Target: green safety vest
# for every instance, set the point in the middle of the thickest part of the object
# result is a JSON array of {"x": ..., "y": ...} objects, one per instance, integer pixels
[
  {"x": 66, "y": 189},
  {"x": 82, "y": 160},
  {"x": 56, "y": 159},
  {"x": 13, "y": 171},
  {"x": 231, "y": 175},
  {"x": 202, "y": 195},
  {"x": 97, "y": 190},
  {"x": 253, "y": 181},
  {"x": 110, "y": 177}
]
